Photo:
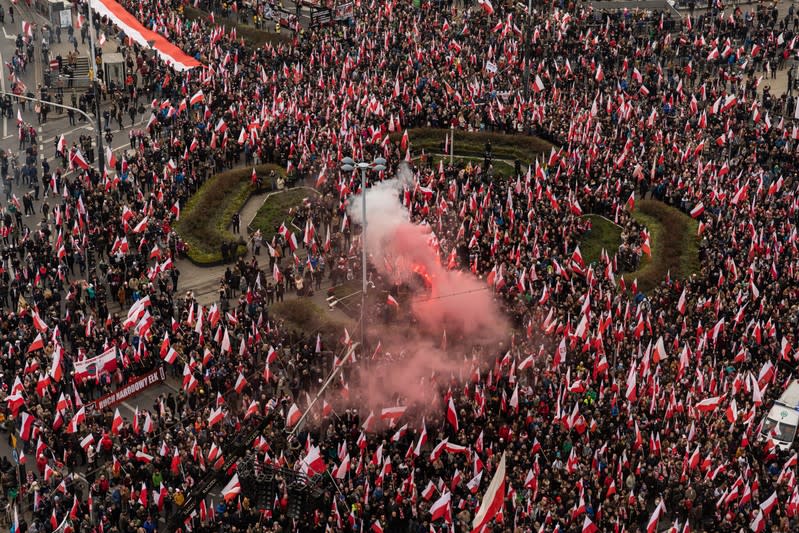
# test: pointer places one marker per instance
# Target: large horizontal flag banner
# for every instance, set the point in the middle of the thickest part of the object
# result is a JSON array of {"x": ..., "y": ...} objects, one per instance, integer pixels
[{"x": 145, "y": 37}]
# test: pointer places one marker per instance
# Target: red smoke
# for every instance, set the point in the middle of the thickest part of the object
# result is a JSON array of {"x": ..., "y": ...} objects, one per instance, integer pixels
[{"x": 455, "y": 304}]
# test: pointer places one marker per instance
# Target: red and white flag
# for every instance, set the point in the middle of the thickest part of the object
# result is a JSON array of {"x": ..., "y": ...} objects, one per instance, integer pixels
[
  {"x": 492, "y": 499},
  {"x": 197, "y": 98},
  {"x": 588, "y": 526},
  {"x": 232, "y": 489},
  {"x": 293, "y": 416},
  {"x": 313, "y": 463},
  {"x": 117, "y": 422},
  {"x": 216, "y": 416},
  {"x": 708, "y": 404},
  {"x": 652, "y": 525},
  {"x": 452, "y": 415},
  {"x": 487, "y": 7},
  {"x": 392, "y": 413},
  {"x": 441, "y": 508}
]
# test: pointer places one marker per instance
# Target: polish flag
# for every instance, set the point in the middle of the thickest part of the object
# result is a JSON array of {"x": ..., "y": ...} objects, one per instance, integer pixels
[
  {"x": 216, "y": 416},
  {"x": 768, "y": 505},
  {"x": 441, "y": 508},
  {"x": 698, "y": 210},
  {"x": 171, "y": 356},
  {"x": 251, "y": 410},
  {"x": 197, "y": 97},
  {"x": 429, "y": 491},
  {"x": 78, "y": 160},
  {"x": 39, "y": 324},
  {"x": 392, "y": 413},
  {"x": 392, "y": 302},
  {"x": 659, "y": 353},
  {"x": 37, "y": 344},
  {"x": 758, "y": 525},
  {"x": 232, "y": 489},
  {"x": 313, "y": 463},
  {"x": 452, "y": 415},
  {"x": 141, "y": 226},
  {"x": 343, "y": 468},
  {"x": 293, "y": 416},
  {"x": 681, "y": 303},
  {"x": 87, "y": 441},
  {"x": 241, "y": 382},
  {"x": 600, "y": 74},
  {"x": 116, "y": 424},
  {"x": 27, "y": 425},
  {"x": 588, "y": 526},
  {"x": 487, "y": 7},
  {"x": 652, "y": 525},
  {"x": 732, "y": 411},
  {"x": 708, "y": 404},
  {"x": 143, "y": 457},
  {"x": 492, "y": 499},
  {"x": 538, "y": 85}
]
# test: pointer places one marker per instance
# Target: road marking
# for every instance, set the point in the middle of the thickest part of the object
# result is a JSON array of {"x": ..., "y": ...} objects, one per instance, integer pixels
[
  {"x": 90, "y": 127},
  {"x": 170, "y": 386},
  {"x": 132, "y": 409},
  {"x": 69, "y": 132}
]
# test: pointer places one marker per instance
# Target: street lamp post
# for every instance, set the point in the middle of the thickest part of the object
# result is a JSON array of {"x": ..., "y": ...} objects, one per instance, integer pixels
[
  {"x": 349, "y": 165},
  {"x": 93, "y": 80}
]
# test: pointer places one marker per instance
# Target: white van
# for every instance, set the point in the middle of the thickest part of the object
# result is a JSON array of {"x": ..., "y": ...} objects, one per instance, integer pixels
[{"x": 783, "y": 418}]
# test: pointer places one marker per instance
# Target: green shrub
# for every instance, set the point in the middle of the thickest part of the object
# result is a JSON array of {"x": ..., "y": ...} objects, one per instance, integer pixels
[{"x": 204, "y": 220}]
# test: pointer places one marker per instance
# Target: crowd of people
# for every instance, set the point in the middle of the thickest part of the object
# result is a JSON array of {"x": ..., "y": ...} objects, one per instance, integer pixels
[{"x": 615, "y": 409}]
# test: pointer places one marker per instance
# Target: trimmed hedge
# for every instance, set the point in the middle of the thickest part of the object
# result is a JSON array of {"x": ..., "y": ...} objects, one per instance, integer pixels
[
  {"x": 503, "y": 146},
  {"x": 205, "y": 219}
]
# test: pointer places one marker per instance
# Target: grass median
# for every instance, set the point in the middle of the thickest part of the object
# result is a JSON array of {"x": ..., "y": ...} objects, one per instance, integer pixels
[
  {"x": 674, "y": 244},
  {"x": 205, "y": 219},
  {"x": 303, "y": 314},
  {"x": 473, "y": 144},
  {"x": 673, "y": 241},
  {"x": 603, "y": 235},
  {"x": 276, "y": 210}
]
